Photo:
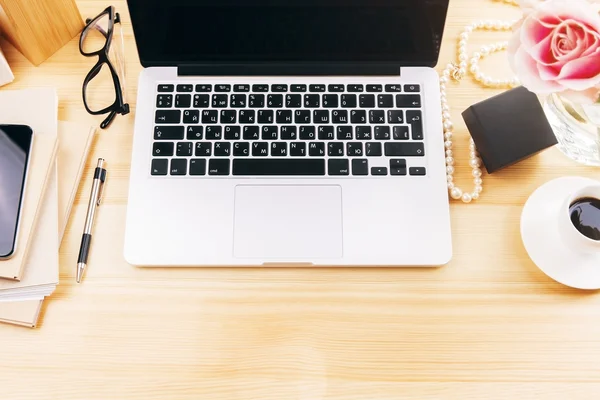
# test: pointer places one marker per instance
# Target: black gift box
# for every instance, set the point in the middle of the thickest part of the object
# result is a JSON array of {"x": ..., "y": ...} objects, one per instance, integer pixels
[{"x": 509, "y": 128}]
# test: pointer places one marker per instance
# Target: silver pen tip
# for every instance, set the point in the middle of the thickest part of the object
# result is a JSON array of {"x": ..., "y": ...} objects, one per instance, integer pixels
[{"x": 80, "y": 270}]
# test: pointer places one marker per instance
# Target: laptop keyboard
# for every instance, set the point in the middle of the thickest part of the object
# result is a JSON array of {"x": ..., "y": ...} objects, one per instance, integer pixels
[{"x": 288, "y": 130}]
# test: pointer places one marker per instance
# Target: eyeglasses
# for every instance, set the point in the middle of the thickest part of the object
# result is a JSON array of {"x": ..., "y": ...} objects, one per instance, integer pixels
[{"x": 99, "y": 97}]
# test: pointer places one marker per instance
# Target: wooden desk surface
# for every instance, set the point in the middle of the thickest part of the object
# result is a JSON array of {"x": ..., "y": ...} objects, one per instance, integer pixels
[{"x": 489, "y": 325}]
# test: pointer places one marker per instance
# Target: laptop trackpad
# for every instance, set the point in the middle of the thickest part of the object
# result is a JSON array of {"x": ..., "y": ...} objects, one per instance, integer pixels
[{"x": 288, "y": 222}]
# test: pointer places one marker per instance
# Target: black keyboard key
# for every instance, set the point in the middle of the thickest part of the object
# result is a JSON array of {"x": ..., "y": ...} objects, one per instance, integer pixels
[
  {"x": 197, "y": 167},
  {"x": 279, "y": 167},
  {"x": 214, "y": 133},
  {"x": 317, "y": 88},
  {"x": 374, "y": 88},
  {"x": 335, "y": 149},
  {"x": 241, "y": 149},
  {"x": 412, "y": 88},
  {"x": 377, "y": 117},
  {"x": 164, "y": 101},
  {"x": 289, "y": 133},
  {"x": 293, "y": 101},
  {"x": 210, "y": 116},
  {"x": 247, "y": 116},
  {"x": 204, "y": 88},
  {"x": 298, "y": 88},
  {"x": 168, "y": 132},
  {"x": 194, "y": 133},
  {"x": 275, "y": 101},
  {"x": 178, "y": 166},
  {"x": 185, "y": 88},
  {"x": 326, "y": 132},
  {"x": 404, "y": 149},
  {"x": 382, "y": 133},
  {"x": 316, "y": 149},
  {"x": 337, "y": 167},
  {"x": 302, "y": 117},
  {"x": 354, "y": 149},
  {"x": 166, "y": 88},
  {"x": 279, "y": 88},
  {"x": 395, "y": 116},
  {"x": 228, "y": 116},
  {"x": 408, "y": 101},
  {"x": 379, "y": 171},
  {"x": 385, "y": 101},
  {"x": 401, "y": 133},
  {"x": 220, "y": 100},
  {"x": 250, "y": 133},
  {"x": 355, "y": 88},
  {"x": 415, "y": 119},
  {"x": 265, "y": 116},
  {"x": 278, "y": 149},
  {"x": 222, "y": 149},
  {"x": 336, "y": 88},
  {"x": 269, "y": 132},
  {"x": 203, "y": 149},
  {"x": 241, "y": 88},
  {"x": 160, "y": 166},
  {"x": 307, "y": 133},
  {"x": 349, "y": 101},
  {"x": 363, "y": 133},
  {"x": 184, "y": 149},
  {"x": 339, "y": 117},
  {"x": 331, "y": 101},
  {"x": 398, "y": 167},
  {"x": 297, "y": 149},
  {"x": 233, "y": 133},
  {"x": 366, "y": 101},
  {"x": 417, "y": 171},
  {"x": 219, "y": 167},
  {"x": 358, "y": 116},
  {"x": 257, "y": 101},
  {"x": 321, "y": 116},
  {"x": 312, "y": 101},
  {"x": 260, "y": 88},
  {"x": 393, "y": 88},
  {"x": 360, "y": 167},
  {"x": 222, "y": 88},
  {"x": 191, "y": 116},
  {"x": 183, "y": 100},
  {"x": 162, "y": 149},
  {"x": 260, "y": 149},
  {"x": 373, "y": 149},
  {"x": 284, "y": 117},
  {"x": 238, "y": 101},
  {"x": 344, "y": 133},
  {"x": 201, "y": 100}
]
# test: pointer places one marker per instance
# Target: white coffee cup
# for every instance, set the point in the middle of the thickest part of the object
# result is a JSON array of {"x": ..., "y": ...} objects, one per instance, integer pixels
[{"x": 572, "y": 237}]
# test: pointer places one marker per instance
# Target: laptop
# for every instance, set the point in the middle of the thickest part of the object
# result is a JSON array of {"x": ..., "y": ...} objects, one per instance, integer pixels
[{"x": 288, "y": 133}]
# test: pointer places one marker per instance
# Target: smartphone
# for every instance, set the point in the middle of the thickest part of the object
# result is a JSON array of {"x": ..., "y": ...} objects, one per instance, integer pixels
[{"x": 15, "y": 151}]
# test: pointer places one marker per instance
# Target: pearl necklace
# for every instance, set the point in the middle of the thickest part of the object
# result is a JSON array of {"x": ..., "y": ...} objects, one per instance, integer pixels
[{"x": 457, "y": 72}]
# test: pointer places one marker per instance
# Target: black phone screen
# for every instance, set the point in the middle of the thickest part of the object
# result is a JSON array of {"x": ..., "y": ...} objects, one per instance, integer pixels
[{"x": 15, "y": 148}]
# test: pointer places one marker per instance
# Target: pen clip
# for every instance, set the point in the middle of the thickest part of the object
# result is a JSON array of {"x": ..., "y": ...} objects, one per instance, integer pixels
[{"x": 101, "y": 189}]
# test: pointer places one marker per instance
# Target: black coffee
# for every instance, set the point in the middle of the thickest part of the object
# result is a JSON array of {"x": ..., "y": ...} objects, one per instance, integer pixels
[{"x": 585, "y": 215}]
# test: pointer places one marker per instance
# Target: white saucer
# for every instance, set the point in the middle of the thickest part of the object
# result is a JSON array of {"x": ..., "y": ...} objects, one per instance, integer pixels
[{"x": 543, "y": 242}]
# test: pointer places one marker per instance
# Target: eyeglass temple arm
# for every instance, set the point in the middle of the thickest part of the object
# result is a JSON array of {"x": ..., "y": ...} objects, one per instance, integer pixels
[{"x": 108, "y": 120}]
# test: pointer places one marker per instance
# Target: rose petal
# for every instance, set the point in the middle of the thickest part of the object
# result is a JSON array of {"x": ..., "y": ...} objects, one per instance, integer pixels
[
  {"x": 579, "y": 10},
  {"x": 584, "y": 68},
  {"x": 529, "y": 74},
  {"x": 533, "y": 31}
]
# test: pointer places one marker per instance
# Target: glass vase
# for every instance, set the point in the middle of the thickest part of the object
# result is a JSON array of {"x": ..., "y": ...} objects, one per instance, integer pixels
[{"x": 577, "y": 128}]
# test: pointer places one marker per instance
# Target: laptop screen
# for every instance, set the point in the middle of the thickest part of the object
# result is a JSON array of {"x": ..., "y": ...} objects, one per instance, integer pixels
[{"x": 179, "y": 32}]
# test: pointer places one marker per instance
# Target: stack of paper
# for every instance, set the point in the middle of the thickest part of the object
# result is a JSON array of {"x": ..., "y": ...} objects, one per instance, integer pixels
[{"x": 34, "y": 272}]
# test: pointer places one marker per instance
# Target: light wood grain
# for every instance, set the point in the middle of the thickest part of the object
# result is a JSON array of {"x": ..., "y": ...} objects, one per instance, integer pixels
[
  {"x": 38, "y": 28},
  {"x": 487, "y": 326}
]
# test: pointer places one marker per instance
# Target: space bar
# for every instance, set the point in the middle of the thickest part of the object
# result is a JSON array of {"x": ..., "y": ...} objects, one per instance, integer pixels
[{"x": 278, "y": 167}]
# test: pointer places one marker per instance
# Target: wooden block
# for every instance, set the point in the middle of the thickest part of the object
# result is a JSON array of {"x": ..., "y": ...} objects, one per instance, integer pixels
[{"x": 39, "y": 28}]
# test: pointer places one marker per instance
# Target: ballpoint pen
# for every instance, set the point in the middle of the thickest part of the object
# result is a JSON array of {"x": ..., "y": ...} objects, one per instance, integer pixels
[{"x": 95, "y": 198}]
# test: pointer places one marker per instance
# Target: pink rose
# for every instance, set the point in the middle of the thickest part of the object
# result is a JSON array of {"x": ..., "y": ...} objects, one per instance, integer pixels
[{"x": 556, "y": 48}]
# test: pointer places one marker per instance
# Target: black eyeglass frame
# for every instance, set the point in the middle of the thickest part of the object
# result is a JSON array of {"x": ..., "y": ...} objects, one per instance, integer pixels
[{"x": 119, "y": 106}]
